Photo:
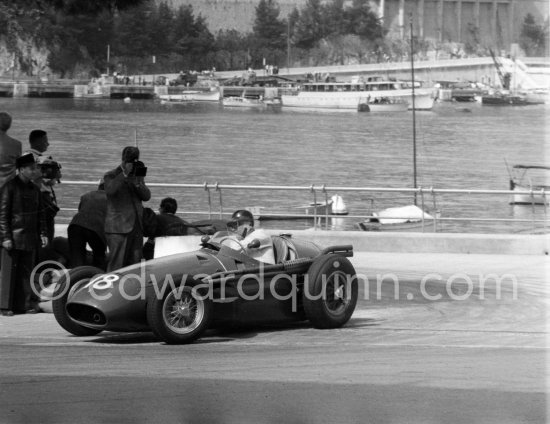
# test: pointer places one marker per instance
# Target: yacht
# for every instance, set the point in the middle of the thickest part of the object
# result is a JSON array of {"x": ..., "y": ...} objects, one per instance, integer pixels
[{"x": 351, "y": 95}]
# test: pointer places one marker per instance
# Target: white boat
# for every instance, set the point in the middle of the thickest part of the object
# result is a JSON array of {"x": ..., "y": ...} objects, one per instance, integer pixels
[
  {"x": 521, "y": 180},
  {"x": 399, "y": 218},
  {"x": 250, "y": 102},
  {"x": 383, "y": 104},
  {"x": 349, "y": 95},
  {"x": 192, "y": 96}
]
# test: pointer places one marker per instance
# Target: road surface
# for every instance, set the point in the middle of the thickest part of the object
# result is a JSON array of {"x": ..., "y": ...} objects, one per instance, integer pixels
[{"x": 434, "y": 342}]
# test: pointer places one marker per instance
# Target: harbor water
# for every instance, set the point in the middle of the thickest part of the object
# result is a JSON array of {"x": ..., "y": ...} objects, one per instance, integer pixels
[{"x": 458, "y": 146}]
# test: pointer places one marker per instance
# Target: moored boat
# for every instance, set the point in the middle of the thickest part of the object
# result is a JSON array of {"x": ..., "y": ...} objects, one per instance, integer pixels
[
  {"x": 193, "y": 96},
  {"x": 349, "y": 95},
  {"x": 399, "y": 218},
  {"x": 250, "y": 102},
  {"x": 508, "y": 99},
  {"x": 521, "y": 181}
]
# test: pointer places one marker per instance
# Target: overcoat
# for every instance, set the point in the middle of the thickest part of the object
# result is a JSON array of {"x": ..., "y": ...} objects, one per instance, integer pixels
[{"x": 124, "y": 197}]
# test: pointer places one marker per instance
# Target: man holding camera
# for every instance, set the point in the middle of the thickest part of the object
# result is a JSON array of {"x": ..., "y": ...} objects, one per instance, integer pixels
[{"x": 126, "y": 190}]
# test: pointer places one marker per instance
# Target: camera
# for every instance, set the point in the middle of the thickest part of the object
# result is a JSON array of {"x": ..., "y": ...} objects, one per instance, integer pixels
[
  {"x": 51, "y": 170},
  {"x": 140, "y": 170}
]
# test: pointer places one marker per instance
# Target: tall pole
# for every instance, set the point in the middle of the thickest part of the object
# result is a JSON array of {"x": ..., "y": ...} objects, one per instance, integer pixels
[
  {"x": 413, "y": 107},
  {"x": 108, "y": 57},
  {"x": 288, "y": 44},
  {"x": 13, "y": 68}
]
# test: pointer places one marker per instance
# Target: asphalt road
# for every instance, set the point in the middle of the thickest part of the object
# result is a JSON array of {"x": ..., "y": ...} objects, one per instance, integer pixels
[{"x": 437, "y": 343}]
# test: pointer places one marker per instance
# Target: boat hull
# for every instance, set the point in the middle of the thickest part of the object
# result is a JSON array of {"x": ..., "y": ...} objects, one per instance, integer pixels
[
  {"x": 192, "y": 96},
  {"x": 508, "y": 100},
  {"x": 244, "y": 102},
  {"x": 424, "y": 99},
  {"x": 383, "y": 107},
  {"x": 527, "y": 199}
]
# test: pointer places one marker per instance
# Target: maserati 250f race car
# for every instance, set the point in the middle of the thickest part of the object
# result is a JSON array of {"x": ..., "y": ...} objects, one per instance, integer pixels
[{"x": 180, "y": 296}]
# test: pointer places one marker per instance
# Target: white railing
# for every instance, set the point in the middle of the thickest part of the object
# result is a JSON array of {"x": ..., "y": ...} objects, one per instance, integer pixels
[{"x": 424, "y": 197}]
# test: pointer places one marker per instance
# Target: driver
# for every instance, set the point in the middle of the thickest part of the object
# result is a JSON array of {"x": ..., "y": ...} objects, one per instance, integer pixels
[{"x": 242, "y": 225}]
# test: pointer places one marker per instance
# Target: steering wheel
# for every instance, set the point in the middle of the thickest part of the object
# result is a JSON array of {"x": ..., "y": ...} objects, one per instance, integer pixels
[{"x": 227, "y": 238}]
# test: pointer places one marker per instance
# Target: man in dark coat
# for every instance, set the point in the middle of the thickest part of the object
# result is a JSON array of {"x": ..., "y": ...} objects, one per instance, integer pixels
[
  {"x": 10, "y": 149},
  {"x": 166, "y": 224},
  {"x": 22, "y": 232},
  {"x": 123, "y": 222},
  {"x": 39, "y": 142},
  {"x": 88, "y": 227}
]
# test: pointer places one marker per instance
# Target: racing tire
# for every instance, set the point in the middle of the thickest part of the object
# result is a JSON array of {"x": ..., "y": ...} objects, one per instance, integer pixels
[
  {"x": 181, "y": 315},
  {"x": 330, "y": 291},
  {"x": 66, "y": 283}
]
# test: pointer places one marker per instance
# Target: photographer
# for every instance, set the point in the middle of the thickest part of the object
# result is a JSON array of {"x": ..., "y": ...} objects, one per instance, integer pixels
[
  {"x": 125, "y": 188},
  {"x": 49, "y": 176}
]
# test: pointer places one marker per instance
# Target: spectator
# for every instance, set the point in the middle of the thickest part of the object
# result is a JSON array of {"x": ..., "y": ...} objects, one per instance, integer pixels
[
  {"x": 22, "y": 230},
  {"x": 167, "y": 224},
  {"x": 10, "y": 149},
  {"x": 88, "y": 228},
  {"x": 125, "y": 190},
  {"x": 51, "y": 175}
]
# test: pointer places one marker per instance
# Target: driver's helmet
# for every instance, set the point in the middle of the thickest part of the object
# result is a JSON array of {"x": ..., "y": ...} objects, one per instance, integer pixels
[{"x": 242, "y": 222}]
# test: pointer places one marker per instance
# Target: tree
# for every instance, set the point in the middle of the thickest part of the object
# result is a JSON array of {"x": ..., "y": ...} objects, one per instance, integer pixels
[
  {"x": 129, "y": 41},
  {"x": 533, "y": 37},
  {"x": 91, "y": 7},
  {"x": 162, "y": 24},
  {"x": 309, "y": 30},
  {"x": 335, "y": 18},
  {"x": 362, "y": 21},
  {"x": 230, "y": 50},
  {"x": 268, "y": 29}
]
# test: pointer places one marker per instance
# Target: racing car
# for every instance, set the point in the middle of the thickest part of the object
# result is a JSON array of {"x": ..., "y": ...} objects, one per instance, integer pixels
[{"x": 180, "y": 296}]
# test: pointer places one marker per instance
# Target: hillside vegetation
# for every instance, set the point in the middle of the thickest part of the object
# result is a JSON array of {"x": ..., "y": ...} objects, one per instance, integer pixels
[{"x": 85, "y": 38}]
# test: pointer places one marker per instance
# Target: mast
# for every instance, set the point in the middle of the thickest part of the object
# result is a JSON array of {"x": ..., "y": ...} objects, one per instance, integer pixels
[{"x": 413, "y": 107}]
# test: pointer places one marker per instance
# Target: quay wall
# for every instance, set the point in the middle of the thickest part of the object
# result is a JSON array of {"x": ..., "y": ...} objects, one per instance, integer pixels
[{"x": 469, "y": 69}]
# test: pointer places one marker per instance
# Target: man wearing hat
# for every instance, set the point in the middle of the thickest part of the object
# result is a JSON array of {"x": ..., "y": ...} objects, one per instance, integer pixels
[
  {"x": 123, "y": 222},
  {"x": 22, "y": 232}
]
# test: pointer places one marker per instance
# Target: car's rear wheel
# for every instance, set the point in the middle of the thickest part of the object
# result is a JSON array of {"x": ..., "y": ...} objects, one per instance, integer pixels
[
  {"x": 330, "y": 291},
  {"x": 71, "y": 280},
  {"x": 180, "y": 316}
]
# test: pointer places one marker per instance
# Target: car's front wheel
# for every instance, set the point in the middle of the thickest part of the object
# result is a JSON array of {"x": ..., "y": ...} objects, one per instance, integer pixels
[
  {"x": 330, "y": 291},
  {"x": 180, "y": 315},
  {"x": 70, "y": 281}
]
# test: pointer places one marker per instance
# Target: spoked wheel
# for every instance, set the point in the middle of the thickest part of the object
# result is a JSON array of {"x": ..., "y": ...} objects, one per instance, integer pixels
[
  {"x": 180, "y": 316},
  {"x": 331, "y": 291},
  {"x": 66, "y": 285}
]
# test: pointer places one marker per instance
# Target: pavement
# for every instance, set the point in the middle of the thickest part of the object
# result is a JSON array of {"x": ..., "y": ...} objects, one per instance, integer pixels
[{"x": 454, "y": 338}]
